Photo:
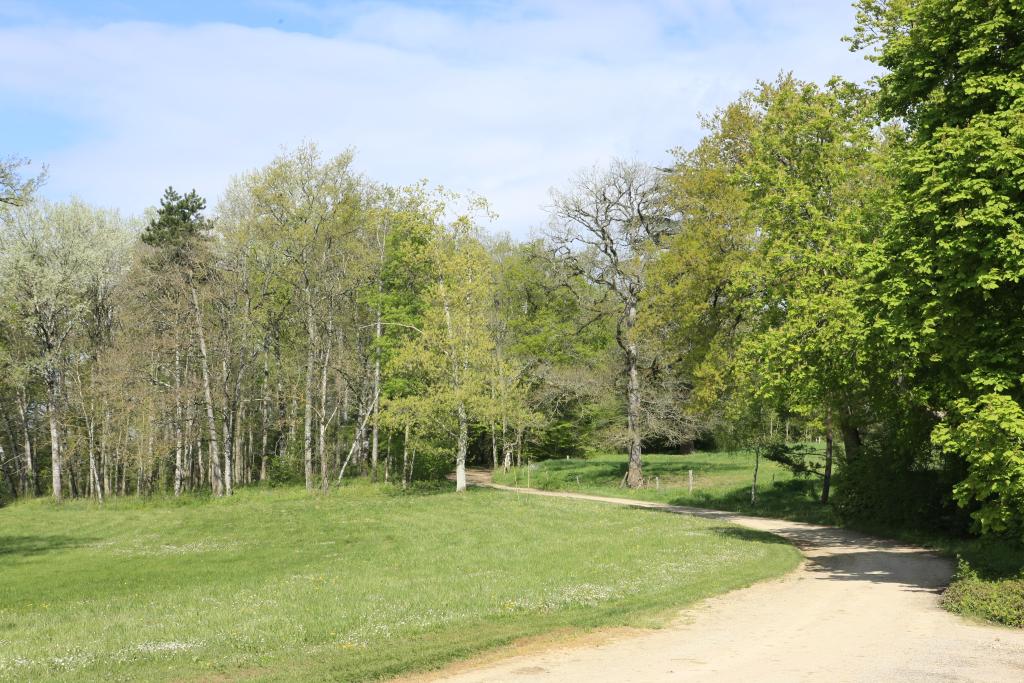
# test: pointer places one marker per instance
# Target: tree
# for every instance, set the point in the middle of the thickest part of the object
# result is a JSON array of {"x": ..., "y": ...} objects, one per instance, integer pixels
[
  {"x": 178, "y": 232},
  {"x": 13, "y": 190},
  {"x": 309, "y": 211},
  {"x": 811, "y": 185},
  {"x": 57, "y": 265},
  {"x": 607, "y": 228},
  {"x": 449, "y": 359},
  {"x": 947, "y": 273}
]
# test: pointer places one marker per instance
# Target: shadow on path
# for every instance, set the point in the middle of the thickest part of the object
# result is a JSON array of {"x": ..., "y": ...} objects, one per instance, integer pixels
[{"x": 832, "y": 553}]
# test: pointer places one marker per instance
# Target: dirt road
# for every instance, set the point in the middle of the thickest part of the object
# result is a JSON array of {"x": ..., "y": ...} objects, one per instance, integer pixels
[{"x": 859, "y": 609}]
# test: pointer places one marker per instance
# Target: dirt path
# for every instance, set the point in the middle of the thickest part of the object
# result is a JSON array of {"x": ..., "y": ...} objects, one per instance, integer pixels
[{"x": 859, "y": 609}]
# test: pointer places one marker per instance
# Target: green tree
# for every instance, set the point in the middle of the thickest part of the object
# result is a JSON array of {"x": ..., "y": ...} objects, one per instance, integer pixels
[
  {"x": 57, "y": 264},
  {"x": 607, "y": 229},
  {"x": 179, "y": 232},
  {"x": 451, "y": 355},
  {"x": 14, "y": 189},
  {"x": 948, "y": 270}
]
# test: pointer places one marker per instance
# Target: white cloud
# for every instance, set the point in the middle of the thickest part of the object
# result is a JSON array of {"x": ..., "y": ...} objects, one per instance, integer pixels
[{"x": 505, "y": 104}]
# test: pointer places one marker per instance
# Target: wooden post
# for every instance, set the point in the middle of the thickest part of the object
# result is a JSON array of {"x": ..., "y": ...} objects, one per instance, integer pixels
[{"x": 691, "y": 481}]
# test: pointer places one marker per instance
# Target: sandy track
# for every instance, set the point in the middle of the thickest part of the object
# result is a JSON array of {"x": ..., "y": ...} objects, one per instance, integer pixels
[{"x": 859, "y": 609}]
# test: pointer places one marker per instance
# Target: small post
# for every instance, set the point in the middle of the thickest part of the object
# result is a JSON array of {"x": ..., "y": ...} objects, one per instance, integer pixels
[
  {"x": 577, "y": 480},
  {"x": 657, "y": 483},
  {"x": 691, "y": 481}
]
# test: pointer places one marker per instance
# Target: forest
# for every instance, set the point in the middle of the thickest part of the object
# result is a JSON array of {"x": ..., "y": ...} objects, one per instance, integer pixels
[{"x": 838, "y": 264}]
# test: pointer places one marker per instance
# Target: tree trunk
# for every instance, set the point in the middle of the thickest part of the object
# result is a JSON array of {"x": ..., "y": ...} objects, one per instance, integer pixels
[
  {"x": 494, "y": 446},
  {"x": 826, "y": 483},
  {"x": 519, "y": 447},
  {"x": 104, "y": 480},
  {"x": 634, "y": 475},
  {"x": 405, "y": 457},
  {"x": 264, "y": 418},
  {"x": 851, "y": 440},
  {"x": 307, "y": 436},
  {"x": 460, "y": 454},
  {"x": 507, "y": 447},
  {"x": 53, "y": 397},
  {"x": 179, "y": 446},
  {"x": 211, "y": 422},
  {"x": 321, "y": 445},
  {"x": 94, "y": 471},
  {"x": 374, "y": 438},
  {"x": 30, "y": 468},
  {"x": 623, "y": 336},
  {"x": 753, "y": 486},
  {"x": 228, "y": 429}
]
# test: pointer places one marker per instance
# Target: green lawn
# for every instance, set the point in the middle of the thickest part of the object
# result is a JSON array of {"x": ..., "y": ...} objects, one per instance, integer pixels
[
  {"x": 278, "y": 585},
  {"x": 720, "y": 480},
  {"x": 989, "y": 586}
]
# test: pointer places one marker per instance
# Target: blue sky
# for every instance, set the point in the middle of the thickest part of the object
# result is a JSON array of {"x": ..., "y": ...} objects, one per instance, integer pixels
[{"x": 505, "y": 99}]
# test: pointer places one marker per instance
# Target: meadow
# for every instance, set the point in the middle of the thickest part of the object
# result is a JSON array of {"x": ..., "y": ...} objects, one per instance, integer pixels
[
  {"x": 364, "y": 583},
  {"x": 721, "y": 481},
  {"x": 989, "y": 584}
]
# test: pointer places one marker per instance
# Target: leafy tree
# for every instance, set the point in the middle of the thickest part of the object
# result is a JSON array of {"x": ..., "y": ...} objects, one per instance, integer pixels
[
  {"x": 57, "y": 264},
  {"x": 607, "y": 229},
  {"x": 948, "y": 270},
  {"x": 178, "y": 232},
  {"x": 452, "y": 353},
  {"x": 15, "y": 191}
]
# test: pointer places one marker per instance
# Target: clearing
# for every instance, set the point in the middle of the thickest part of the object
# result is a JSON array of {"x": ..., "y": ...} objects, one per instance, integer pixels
[
  {"x": 364, "y": 583},
  {"x": 859, "y": 609}
]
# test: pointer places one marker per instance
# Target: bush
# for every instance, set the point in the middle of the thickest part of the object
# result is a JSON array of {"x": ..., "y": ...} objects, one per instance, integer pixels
[
  {"x": 884, "y": 490},
  {"x": 999, "y": 600}
]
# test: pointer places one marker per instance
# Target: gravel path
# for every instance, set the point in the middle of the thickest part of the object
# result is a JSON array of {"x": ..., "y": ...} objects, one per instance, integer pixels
[{"x": 859, "y": 609}]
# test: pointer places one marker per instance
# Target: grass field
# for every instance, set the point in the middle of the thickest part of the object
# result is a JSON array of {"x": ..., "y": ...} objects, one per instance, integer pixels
[
  {"x": 365, "y": 583},
  {"x": 989, "y": 585},
  {"x": 720, "y": 480}
]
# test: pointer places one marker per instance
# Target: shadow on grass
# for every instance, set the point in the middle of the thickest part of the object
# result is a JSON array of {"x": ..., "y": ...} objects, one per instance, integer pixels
[
  {"x": 795, "y": 500},
  {"x": 38, "y": 545},
  {"x": 611, "y": 472},
  {"x": 419, "y": 488}
]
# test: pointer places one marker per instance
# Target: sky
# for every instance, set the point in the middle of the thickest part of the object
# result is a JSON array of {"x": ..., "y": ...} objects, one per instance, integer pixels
[{"x": 120, "y": 99}]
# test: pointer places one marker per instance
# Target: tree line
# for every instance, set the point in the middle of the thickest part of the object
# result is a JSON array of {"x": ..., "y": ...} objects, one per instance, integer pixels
[{"x": 832, "y": 261}]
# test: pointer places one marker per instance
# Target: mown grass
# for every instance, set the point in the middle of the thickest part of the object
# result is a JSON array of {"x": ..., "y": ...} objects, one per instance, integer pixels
[
  {"x": 721, "y": 481},
  {"x": 361, "y": 584},
  {"x": 989, "y": 584}
]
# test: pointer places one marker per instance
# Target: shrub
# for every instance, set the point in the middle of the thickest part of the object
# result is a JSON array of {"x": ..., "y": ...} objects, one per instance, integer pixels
[{"x": 999, "y": 600}]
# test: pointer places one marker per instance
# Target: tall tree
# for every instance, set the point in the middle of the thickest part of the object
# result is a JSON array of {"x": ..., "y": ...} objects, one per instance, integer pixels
[
  {"x": 948, "y": 269},
  {"x": 451, "y": 353},
  {"x": 179, "y": 231},
  {"x": 58, "y": 261},
  {"x": 607, "y": 229}
]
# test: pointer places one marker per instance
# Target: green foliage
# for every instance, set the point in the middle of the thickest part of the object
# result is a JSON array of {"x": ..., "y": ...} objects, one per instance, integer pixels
[
  {"x": 947, "y": 274},
  {"x": 179, "y": 221},
  {"x": 888, "y": 487},
  {"x": 990, "y": 433},
  {"x": 999, "y": 600}
]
